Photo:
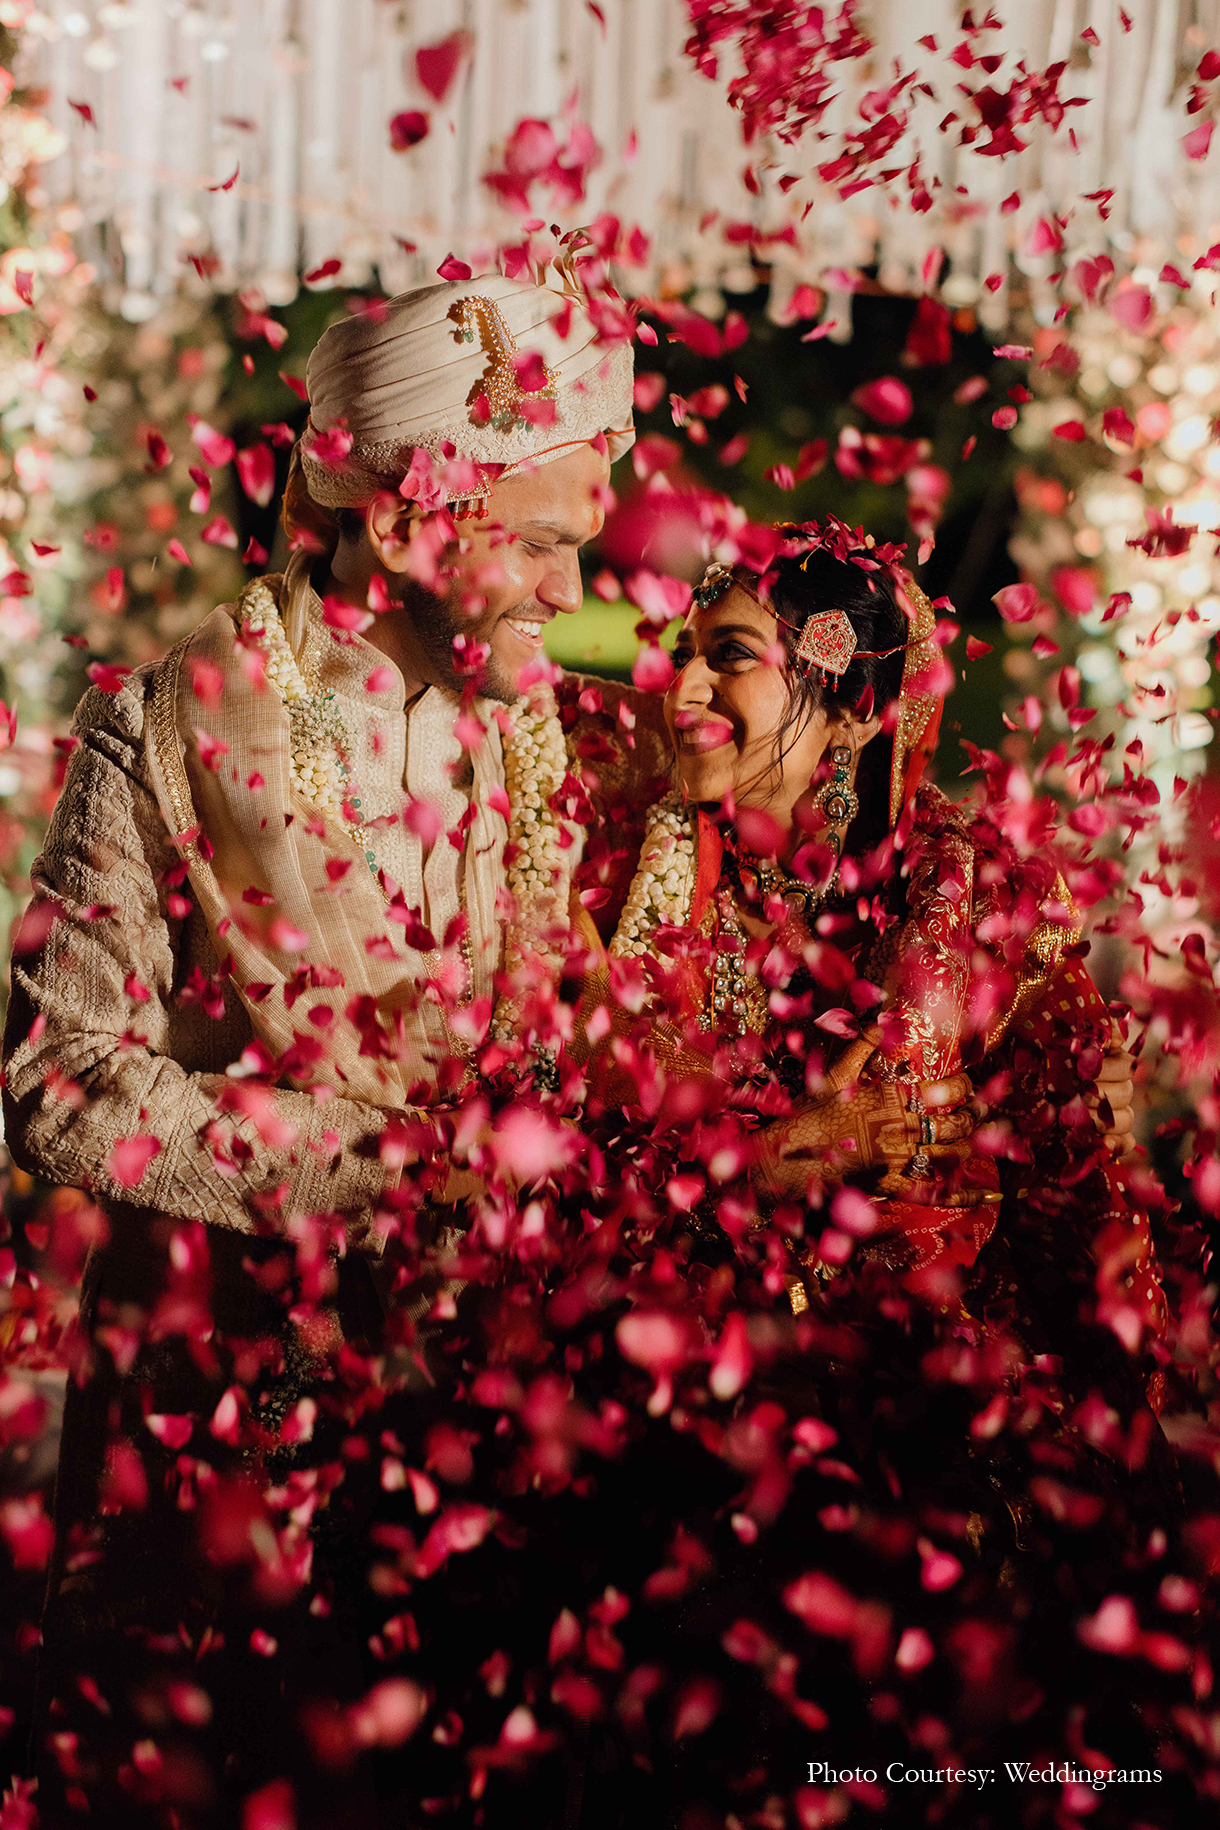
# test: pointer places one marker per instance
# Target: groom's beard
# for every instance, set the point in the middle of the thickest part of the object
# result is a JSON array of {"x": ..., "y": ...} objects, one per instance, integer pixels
[{"x": 436, "y": 621}]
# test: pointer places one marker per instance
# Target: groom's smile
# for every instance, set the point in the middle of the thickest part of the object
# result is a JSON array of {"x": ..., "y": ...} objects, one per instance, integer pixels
[
  {"x": 508, "y": 575},
  {"x": 527, "y": 629},
  {"x": 520, "y": 568}
]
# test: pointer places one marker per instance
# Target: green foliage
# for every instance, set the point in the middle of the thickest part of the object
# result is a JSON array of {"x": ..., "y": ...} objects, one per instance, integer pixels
[{"x": 797, "y": 391}]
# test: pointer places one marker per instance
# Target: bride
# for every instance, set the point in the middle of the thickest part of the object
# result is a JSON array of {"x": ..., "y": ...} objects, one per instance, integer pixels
[
  {"x": 824, "y": 1388},
  {"x": 863, "y": 963},
  {"x": 813, "y": 1416}
]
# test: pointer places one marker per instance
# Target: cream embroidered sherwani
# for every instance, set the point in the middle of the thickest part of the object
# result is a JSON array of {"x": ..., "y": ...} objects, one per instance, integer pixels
[{"x": 121, "y": 1024}]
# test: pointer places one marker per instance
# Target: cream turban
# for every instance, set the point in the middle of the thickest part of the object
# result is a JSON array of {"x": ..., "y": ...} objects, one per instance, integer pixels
[{"x": 443, "y": 368}]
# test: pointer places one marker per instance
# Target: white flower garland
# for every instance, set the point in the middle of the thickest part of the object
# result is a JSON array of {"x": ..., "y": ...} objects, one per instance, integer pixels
[
  {"x": 535, "y": 762},
  {"x": 664, "y": 882},
  {"x": 319, "y": 743}
]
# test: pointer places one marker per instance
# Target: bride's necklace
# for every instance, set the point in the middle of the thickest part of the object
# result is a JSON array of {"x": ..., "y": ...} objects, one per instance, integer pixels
[
  {"x": 535, "y": 762},
  {"x": 660, "y": 896},
  {"x": 799, "y": 897},
  {"x": 737, "y": 999}
]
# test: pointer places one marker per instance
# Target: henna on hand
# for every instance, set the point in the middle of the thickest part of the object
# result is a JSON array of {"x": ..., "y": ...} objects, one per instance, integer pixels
[{"x": 866, "y": 1125}]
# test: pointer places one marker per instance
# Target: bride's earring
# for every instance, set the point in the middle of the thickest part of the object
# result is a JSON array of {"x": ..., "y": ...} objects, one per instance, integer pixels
[{"x": 838, "y": 799}]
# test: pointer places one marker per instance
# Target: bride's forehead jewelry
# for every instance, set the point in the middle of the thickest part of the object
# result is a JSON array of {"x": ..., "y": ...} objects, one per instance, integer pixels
[
  {"x": 825, "y": 641},
  {"x": 713, "y": 585}
]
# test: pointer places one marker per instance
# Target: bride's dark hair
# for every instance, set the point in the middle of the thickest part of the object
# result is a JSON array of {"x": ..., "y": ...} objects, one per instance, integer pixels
[{"x": 802, "y": 585}]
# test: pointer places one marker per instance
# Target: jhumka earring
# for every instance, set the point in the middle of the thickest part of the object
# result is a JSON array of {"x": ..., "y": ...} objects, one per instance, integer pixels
[{"x": 838, "y": 799}]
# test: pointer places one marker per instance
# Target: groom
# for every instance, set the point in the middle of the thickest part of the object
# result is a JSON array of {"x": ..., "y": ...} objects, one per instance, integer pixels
[
  {"x": 163, "y": 876},
  {"x": 270, "y": 917}
]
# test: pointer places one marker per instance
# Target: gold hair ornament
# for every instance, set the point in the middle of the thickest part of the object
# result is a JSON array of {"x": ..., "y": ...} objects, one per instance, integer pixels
[
  {"x": 827, "y": 641},
  {"x": 500, "y": 386},
  {"x": 500, "y": 383}
]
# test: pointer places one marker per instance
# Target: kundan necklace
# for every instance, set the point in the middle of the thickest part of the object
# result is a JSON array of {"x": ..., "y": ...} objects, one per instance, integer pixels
[
  {"x": 660, "y": 897},
  {"x": 737, "y": 999},
  {"x": 799, "y": 897}
]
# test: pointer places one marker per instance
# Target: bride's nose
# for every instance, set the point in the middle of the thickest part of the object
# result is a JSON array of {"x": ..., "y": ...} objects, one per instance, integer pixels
[{"x": 692, "y": 684}]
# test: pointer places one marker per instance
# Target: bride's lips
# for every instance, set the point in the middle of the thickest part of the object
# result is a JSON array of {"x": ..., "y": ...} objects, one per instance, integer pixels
[{"x": 699, "y": 734}]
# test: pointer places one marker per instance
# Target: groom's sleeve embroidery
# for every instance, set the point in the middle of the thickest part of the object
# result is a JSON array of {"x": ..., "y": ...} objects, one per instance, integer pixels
[{"x": 93, "y": 1096}]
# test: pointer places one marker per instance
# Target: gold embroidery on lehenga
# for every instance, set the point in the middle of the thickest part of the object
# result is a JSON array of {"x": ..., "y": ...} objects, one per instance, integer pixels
[
  {"x": 932, "y": 960},
  {"x": 915, "y": 706}
]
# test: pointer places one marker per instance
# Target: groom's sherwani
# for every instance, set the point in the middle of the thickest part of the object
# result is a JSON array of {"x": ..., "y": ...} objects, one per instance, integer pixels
[
  {"x": 121, "y": 1025},
  {"x": 124, "y": 1031}
]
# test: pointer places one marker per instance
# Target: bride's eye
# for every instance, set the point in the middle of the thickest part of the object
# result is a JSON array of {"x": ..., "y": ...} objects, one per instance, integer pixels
[{"x": 735, "y": 651}]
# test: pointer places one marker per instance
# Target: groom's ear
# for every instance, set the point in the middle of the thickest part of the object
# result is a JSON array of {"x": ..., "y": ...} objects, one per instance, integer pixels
[{"x": 390, "y": 524}]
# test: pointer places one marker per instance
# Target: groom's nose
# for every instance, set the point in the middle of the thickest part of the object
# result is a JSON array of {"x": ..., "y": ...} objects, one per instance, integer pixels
[{"x": 560, "y": 587}]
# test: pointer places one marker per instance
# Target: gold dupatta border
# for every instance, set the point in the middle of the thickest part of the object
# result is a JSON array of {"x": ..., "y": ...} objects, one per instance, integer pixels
[{"x": 1044, "y": 951}]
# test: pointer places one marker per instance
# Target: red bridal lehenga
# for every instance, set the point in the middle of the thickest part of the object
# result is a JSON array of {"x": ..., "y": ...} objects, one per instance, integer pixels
[{"x": 744, "y": 1520}]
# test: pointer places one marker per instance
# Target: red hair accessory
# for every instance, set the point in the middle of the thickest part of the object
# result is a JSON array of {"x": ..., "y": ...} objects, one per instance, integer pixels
[{"x": 827, "y": 641}]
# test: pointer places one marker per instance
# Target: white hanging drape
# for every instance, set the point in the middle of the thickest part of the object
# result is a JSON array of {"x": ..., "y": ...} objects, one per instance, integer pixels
[{"x": 295, "y": 97}]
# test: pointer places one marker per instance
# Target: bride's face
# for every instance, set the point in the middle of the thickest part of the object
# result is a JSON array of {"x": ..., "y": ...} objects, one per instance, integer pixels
[{"x": 726, "y": 704}]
